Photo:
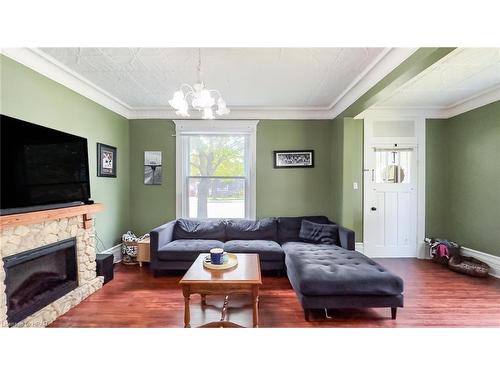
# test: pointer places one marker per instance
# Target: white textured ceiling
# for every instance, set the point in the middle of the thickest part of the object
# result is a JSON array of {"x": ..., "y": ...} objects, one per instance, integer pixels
[
  {"x": 246, "y": 77},
  {"x": 460, "y": 76}
]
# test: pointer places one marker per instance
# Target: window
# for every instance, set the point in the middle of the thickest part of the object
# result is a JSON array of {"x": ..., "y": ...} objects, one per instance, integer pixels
[
  {"x": 392, "y": 166},
  {"x": 215, "y": 177}
]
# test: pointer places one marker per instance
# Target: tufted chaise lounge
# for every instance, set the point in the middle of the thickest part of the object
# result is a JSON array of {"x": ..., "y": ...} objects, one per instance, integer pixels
[
  {"x": 327, "y": 276},
  {"x": 322, "y": 276}
]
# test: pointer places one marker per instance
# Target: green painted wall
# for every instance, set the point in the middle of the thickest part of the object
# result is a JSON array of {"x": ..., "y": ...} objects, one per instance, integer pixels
[
  {"x": 279, "y": 192},
  {"x": 295, "y": 191},
  {"x": 352, "y": 171},
  {"x": 151, "y": 205},
  {"x": 132, "y": 205},
  {"x": 463, "y": 153},
  {"x": 347, "y": 168},
  {"x": 336, "y": 168},
  {"x": 436, "y": 171},
  {"x": 30, "y": 96}
]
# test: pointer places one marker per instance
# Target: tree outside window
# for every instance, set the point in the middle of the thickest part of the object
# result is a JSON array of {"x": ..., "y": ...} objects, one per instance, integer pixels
[{"x": 217, "y": 176}]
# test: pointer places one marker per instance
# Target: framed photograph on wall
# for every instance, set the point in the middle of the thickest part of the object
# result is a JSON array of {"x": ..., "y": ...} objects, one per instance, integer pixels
[
  {"x": 294, "y": 159},
  {"x": 106, "y": 160},
  {"x": 152, "y": 168}
]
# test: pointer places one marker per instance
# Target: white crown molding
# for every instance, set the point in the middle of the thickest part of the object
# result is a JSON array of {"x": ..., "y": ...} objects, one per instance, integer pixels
[
  {"x": 196, "y": 126},
  {"x": 240, "y": 113},
  {"x": 401, "y": 112},
  {"x": 386, "y": 63},
  {"x": 389, "y": 59},
  {"x": 477, "y": 100},
  {"x": 46, "y": 65},
  {"x": 422, "y": 74}
]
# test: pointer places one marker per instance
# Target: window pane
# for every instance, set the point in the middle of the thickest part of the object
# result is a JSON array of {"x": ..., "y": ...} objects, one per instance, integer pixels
[
  {"x": 392, "y": 166},
  {"x": 217, "y": 155},
  {"x": 216, "y": 197}
]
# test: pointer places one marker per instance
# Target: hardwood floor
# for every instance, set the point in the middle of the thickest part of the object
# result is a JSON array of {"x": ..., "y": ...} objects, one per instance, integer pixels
[{"x": 434, "y": 297}]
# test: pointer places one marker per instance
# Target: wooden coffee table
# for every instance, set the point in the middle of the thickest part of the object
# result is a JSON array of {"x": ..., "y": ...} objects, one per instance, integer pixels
[{"x": 243, "y": 279}]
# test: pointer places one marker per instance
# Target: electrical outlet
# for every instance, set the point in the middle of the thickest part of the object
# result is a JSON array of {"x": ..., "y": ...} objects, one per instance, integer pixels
[{"x": 355, "y": 185}]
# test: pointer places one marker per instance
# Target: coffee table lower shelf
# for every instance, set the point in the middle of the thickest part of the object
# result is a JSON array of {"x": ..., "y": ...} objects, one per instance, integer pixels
[
  {"x": 222, "y": 323},
  {"x": 244, "y": 279}
]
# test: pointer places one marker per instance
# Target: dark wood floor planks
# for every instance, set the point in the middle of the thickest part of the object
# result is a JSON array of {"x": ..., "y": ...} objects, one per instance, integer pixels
[{"x": 434, "y": 297}]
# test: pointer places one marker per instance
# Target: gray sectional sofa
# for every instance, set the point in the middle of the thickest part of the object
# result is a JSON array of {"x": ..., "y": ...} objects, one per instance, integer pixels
[{"x": 323, "y": 275}]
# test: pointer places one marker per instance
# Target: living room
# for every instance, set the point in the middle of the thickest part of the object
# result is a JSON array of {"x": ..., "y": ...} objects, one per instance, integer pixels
[{"x": 207, "y": 185}]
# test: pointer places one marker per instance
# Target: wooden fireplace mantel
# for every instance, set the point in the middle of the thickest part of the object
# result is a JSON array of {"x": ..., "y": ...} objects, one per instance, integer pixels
[{"x": 87, "y": 210}]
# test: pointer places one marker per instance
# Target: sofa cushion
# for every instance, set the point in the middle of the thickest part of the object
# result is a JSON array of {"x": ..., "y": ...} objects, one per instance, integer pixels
[
  {"x": 289, "y": 227},
  {"x": 241, "y": 229},
  {"x": 326, "y": 270},
  {"x": 290, "y": 247},
  {"x": 268, "y": 251},
  {"x": 186, "y": 229},
  {"x": 319, "y": 233},
  {"x": 186, "y": 250}
]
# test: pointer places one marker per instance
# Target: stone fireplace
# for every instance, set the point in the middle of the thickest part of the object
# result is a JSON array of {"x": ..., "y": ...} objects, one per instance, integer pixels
[{"x": 47, "y": 264}]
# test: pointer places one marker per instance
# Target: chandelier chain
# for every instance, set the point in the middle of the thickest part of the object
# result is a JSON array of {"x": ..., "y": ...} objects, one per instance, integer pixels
[{"x": 199, "y": 65}]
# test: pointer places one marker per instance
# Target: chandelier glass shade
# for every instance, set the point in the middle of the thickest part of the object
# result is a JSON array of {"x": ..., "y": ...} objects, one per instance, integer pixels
[{"x": 199, "y": 97}]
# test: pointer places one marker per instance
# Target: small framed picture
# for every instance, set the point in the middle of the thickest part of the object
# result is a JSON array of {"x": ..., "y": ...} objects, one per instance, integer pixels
[
  {"x": 106, "y": 160},
  {"x": 152, "y": 168},
  {"x": 294, "y": 159}
]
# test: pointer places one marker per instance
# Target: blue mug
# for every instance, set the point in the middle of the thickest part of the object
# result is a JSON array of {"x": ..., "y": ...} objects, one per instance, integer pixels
[{"x": 217, "y": 256}]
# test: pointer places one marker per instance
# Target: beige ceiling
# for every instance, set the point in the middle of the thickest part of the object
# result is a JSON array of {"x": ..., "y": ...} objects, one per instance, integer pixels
[
  {"x": 269, "y": 83},
  {"x": 246, "y": 77},
  {"x": 460, "y": 76}
]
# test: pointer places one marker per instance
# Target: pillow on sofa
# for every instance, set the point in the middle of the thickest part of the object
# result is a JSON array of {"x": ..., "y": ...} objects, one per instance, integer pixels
[
  {"x": 263, "y": 229},
  {"x": 200, "y": 230},
  {"x": 289, "y": 227},
  {"x": 319, "y": 233}
]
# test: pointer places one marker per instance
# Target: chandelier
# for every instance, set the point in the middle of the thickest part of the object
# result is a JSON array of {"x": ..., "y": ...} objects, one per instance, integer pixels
[{"x": 200, "y": 98}]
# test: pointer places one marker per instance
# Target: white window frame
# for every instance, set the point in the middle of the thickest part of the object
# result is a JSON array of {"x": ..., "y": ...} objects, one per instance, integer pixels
[{"x": 225, "y": 127}]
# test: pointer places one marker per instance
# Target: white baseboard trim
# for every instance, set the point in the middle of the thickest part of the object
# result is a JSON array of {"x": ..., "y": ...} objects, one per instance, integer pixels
[
  {"x": 116, "y": 251},
  {"x": 358, "y": 246},
  {"x": 492, "y": 260}
]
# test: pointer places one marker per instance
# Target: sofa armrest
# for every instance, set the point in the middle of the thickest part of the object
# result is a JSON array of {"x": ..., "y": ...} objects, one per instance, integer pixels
[
  {"x": 346, "y": 238},
  {"x": 159, "y": 237}
]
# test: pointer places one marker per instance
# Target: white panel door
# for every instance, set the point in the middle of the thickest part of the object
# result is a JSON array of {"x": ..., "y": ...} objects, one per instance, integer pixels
[{"x": 390, "y": 207}]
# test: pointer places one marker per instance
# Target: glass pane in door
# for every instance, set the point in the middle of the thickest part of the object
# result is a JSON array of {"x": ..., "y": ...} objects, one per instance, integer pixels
[{"x": 392, "y": 166}]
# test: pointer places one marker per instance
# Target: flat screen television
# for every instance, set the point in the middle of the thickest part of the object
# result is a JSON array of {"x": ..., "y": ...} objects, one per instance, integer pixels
[{"x": 41, "y": 168}]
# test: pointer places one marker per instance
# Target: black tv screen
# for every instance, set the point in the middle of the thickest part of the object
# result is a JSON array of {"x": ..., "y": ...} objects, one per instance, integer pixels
[{"x": 41, "y": 166}]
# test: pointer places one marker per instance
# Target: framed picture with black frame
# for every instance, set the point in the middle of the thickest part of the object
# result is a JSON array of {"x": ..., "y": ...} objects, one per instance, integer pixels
[
  {"x": 106, "y": 160},
  {"x": 294, "y": 159}
]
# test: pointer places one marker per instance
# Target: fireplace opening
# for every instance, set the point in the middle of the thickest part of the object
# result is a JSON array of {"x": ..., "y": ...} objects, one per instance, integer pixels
[{"x": 35, "y": 278}]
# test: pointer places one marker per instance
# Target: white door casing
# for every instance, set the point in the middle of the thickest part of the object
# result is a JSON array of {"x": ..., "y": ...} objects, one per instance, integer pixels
[
  {"x": 393, "y": 210},
  {"x": 390, "y": 210}
]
